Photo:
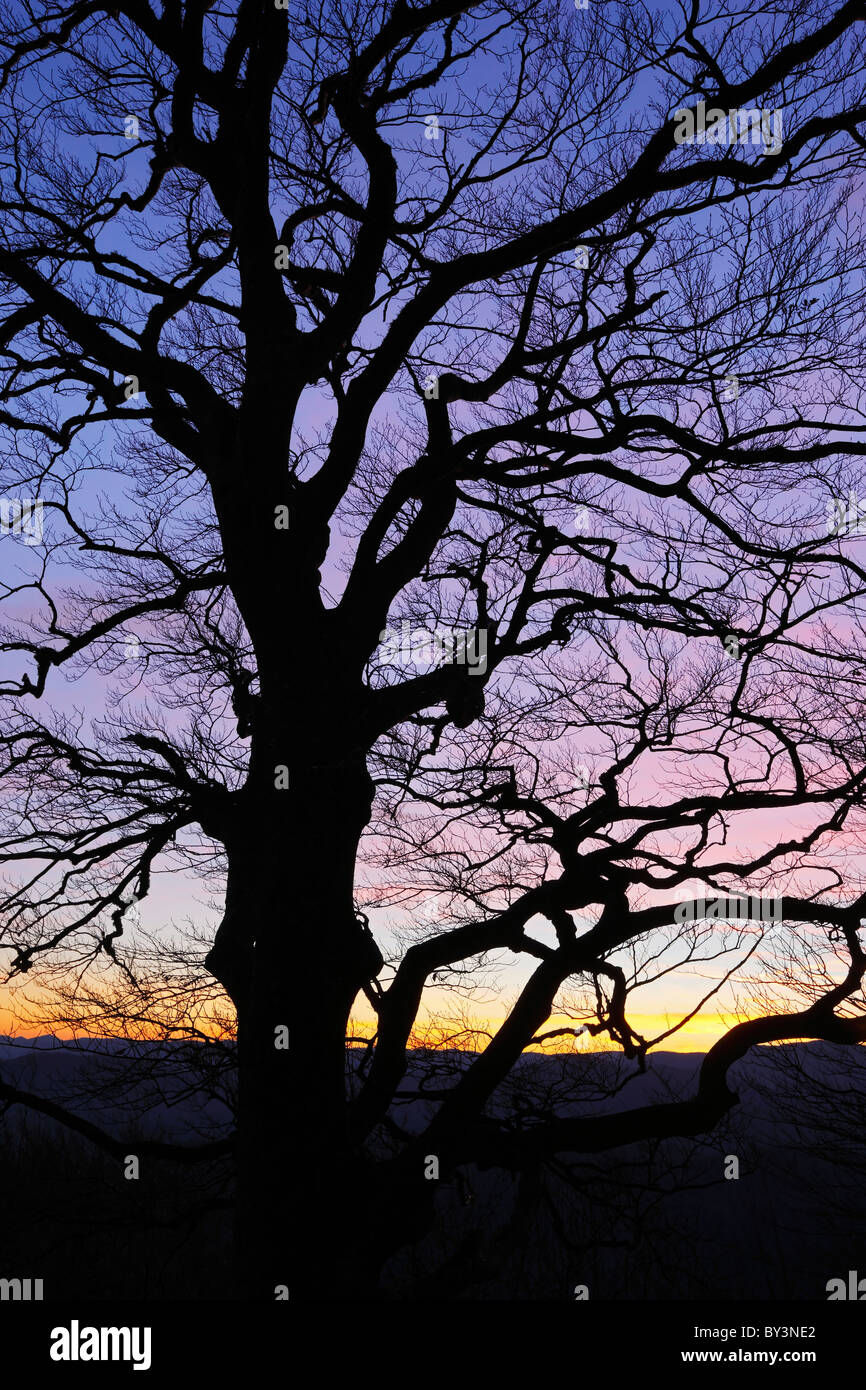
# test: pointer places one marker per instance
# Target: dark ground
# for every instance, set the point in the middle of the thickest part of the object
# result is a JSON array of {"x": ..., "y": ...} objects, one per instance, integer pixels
[{"x": 653, "y": 1221}]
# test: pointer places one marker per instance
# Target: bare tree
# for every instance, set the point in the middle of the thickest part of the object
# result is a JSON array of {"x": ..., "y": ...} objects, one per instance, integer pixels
[{"x": 537, "y": 327}]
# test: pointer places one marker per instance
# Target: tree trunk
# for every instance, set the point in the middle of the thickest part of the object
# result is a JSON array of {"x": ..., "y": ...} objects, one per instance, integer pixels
[{"x": 302, "y": 1211}]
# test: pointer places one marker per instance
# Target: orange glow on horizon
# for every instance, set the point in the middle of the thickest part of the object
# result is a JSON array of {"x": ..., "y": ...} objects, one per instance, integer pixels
[{"x": 698, "y": 1035}]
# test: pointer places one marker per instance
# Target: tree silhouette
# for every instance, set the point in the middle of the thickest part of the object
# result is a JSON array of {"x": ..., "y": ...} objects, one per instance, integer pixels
[{"x": 319, "y": 321}]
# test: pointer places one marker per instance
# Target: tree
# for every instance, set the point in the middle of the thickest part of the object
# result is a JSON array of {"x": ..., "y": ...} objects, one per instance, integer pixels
[{"x": 319, "y": 320}]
